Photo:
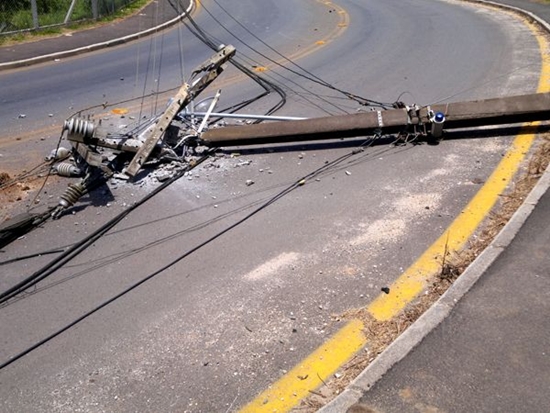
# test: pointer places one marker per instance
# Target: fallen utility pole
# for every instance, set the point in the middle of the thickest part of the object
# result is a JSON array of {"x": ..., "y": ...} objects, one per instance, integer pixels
[
  {"x": 425, "y": 121},
  {"x": 173, "y": 135},
  {"x": 86, "y": 136},
  {"x": 212, "y": 67}
]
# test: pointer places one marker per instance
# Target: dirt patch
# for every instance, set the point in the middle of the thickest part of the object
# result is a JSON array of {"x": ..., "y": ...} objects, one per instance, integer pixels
[
  {"x": 380, "y": 334},
  {"x": 4, "y": 178},
  {"x": 14, "y": 190}
]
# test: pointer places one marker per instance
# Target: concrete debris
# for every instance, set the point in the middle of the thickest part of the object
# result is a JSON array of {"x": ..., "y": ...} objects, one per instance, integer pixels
[
  {"x": 112, "y": 148},
  {"x": 163, "y": 176},
  {"x": 244, "y": 163},
  {"x": 122, "y": 177}
]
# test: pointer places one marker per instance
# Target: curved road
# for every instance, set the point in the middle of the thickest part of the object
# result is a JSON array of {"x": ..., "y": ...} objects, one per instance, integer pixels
[{"x": 232, "y": 317}]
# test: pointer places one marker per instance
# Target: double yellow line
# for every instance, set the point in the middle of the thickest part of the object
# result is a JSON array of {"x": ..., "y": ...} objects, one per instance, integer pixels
[{"x": 309, "y": 374}]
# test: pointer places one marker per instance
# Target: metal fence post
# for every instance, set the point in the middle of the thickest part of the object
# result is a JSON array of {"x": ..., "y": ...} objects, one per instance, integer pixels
[
  {"x": 34, "y": 10},
  {"x": 70, "y": 12},
  {"x": 95, "y": 11}
]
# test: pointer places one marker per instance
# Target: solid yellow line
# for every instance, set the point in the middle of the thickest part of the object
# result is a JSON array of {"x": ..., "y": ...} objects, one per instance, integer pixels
[
  {"x": 311, "y": 372},
  {"x": 413, "y": 281}
]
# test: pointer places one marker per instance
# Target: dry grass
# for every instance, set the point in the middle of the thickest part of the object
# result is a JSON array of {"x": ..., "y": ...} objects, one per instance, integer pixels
[{"x": 380, "y": 335}]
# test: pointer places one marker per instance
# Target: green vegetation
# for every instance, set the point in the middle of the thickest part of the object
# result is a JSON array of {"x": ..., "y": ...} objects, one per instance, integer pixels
[{"x": 18, "y": 16}]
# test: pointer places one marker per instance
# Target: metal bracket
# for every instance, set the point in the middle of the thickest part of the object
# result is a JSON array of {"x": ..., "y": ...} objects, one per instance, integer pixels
[{"x": 212, "y": 68}]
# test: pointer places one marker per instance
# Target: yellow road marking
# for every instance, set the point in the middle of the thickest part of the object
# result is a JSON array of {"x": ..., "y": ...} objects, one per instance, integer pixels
[
  {"x": 226, "y": 81},
  {"x": 412, "y": 281},
  {"x": 286, "y": 393},
  {"x": 311, "y": 372}
]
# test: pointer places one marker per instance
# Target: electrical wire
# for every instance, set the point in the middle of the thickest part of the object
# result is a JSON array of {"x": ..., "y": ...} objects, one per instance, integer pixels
[
  {"x": 35, "y": 255},
  {"x": 213, "y": 43},
  {"x": 298, "y": 183},
  {"x": 269, "y": 59},
  {"x": 308, "y": 74},
  {"x": 265, "y": 84},
  {"x": 179, "y": 11},
  {"x": 36, "y": 170},
  {"x": 79, "y": 247},
  {"x": 300, "y": 94}
]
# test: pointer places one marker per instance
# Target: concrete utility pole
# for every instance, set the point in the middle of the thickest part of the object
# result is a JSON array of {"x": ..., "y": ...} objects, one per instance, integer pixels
[
  {"x": 159, "y": 141},
  {"x": 422, "y": 120},
  {"x": 210, "y": 69},
  {"x": 419, "y": 121}
]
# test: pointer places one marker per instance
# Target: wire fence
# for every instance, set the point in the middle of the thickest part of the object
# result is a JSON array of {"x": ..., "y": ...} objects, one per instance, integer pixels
[{"x": 26, "y": 15}]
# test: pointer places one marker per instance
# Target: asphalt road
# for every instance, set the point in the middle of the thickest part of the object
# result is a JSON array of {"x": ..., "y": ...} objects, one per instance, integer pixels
[{"x": 218, "y": 327}]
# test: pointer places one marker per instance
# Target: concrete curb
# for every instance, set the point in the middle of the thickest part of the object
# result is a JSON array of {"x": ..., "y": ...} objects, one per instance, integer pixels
[
  {"x": 442, "y": 308},
  {"x": 525, "y": 13},
  {"x": 81, "y": 50},
  {"x": 438, "y": 312}
]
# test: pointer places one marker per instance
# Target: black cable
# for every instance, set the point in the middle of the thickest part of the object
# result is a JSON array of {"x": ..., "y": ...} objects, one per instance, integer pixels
[
  {"x": 274, "y": 199},
  {"x": 47, "y": 175},
  {"x": 29, "y": 256},
  {"x": 267, "y": 85},
  {"x": 121, "y": 255},
  {"x": 79, "y": 247},
  {"x": 273, "y": 61},
  {"x": 311, "y": 76},
  {"x": 26, "y": 223},
  {"x": 136, "y": 285},
  {"x": 143, "y": 95},
  {"x": 207, "y": 39},
  {"x": 16, "y": 179},
  {"x": 301, "y": 94}
]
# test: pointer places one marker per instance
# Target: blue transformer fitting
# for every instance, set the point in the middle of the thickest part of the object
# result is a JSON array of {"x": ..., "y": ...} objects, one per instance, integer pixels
[{"x": 437, "y": 124}]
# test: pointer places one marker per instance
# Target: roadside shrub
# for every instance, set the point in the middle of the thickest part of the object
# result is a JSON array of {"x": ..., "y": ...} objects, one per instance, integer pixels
[
  {"x": 21, "y": 20},
  {"x": 17, "y": 14}
]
